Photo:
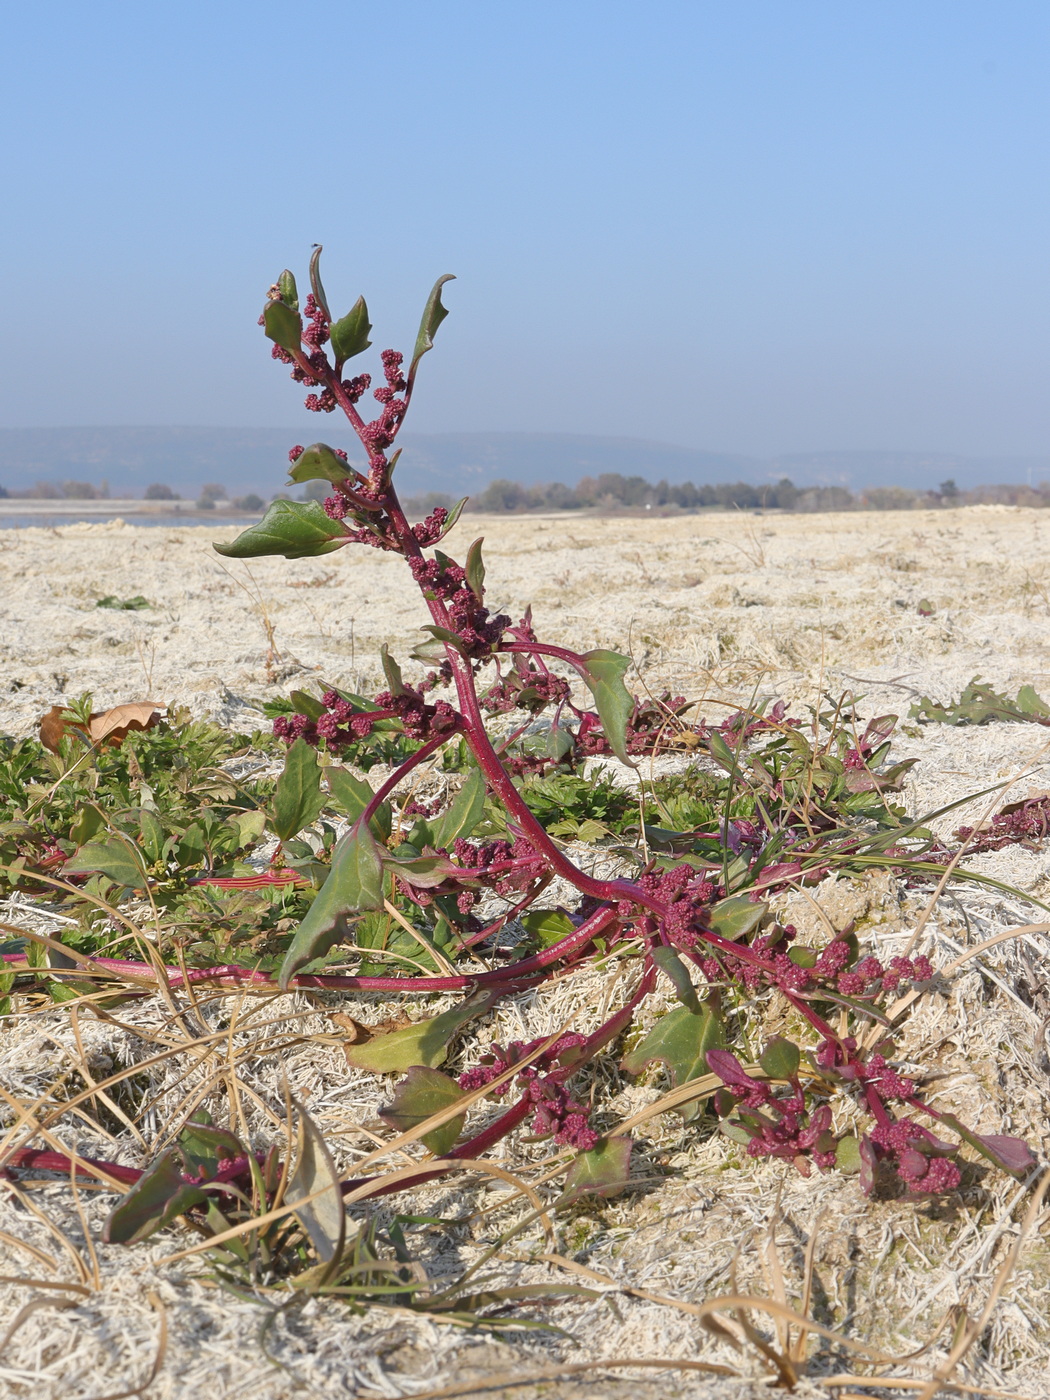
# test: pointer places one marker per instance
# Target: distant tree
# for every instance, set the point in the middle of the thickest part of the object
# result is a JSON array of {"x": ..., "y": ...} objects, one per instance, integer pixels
[
  {"x": 502, "y": 496},
  {"x": 251, "y": 502},
  {"x": 213, "y": 492},
  {"x": 3, "y": 493},
  {"x": 45, "y": 491},
  {"x": 948, "y": 489},
  {"x": 316, "y": 491},
  {"x": 159, "y": 492},
  {"x": 206, "y": 503},
  {"x": 890, "y": 498}
]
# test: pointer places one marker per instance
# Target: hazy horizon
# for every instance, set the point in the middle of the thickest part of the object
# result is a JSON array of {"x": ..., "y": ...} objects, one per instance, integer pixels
[{"x": 756, "y": 229}]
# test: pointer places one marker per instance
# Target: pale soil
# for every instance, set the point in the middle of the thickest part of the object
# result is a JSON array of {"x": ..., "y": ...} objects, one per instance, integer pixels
[{"x": 713, "y": 606}]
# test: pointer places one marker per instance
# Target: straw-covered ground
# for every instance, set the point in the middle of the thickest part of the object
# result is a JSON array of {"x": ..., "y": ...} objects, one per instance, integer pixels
[{"x": 889, "y": 606}]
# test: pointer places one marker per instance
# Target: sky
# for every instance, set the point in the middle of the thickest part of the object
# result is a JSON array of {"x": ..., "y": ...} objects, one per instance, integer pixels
[{"x": 751, "y": 226}]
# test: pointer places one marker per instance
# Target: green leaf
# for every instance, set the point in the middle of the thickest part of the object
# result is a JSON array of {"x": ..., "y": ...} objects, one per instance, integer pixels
[
  {"x": 203, "y": 1147},
  {"x": 116, "y": 859},
  {"x": 152, "y": 834},
  {"x": 425, "y": 1043},
  {"x": 454, "y": 512},
  {"x": 158, "y": 1196},
  {"x": 298, "y": 799},
  {"x": 547, "y": 926},
  {"x": 288, "y": 290},
  {"x": 475, "y": 569},
  {"x": 324, "y": 1217},
  {"x": 669, "y": 963},
  {"x": 603, "y": 672},
  {"x": 423, "y": 872},
  {"x": 680, "y": 1040},
  {"x": 353, "y": 795},
  {"x": 780, "y": 1059},
  {"x": 355, "y": 882},
  {"x": 392, "y": 671},
  {"x": 422, "y": 1093},
  {"x": 283, "y": 325},
  {"x": 305, "y": 704},
  {"x": 89, "y": 822},
  {"x": 464, "y": 814},
  {"x": 350, "y": 334},
  {"x": 847, "y": 1156},
  {"x": 736, "y": 916},
  {"x": 296, "y": 529},
  {"x": 603, "y": 1171},
  {"x": 445, "y": 635},
  {"x": 318, "y": 463},
  {"x": 247, "y": 827},
  {"x": 315, "y": 282},
  {"x": 433, "y": 314}
]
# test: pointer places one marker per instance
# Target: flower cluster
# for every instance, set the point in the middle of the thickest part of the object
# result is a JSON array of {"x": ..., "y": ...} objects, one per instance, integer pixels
[
  {"x": 1020, "y": 822},
  {"x": 557, "y": 1114},
  {"x": 773, "y": 1125}
]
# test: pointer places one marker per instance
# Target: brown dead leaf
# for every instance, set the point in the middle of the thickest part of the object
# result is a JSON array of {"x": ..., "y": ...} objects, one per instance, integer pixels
[
  {"x": 356, "y": 1033},
  {"x": 106, "y": 727}
]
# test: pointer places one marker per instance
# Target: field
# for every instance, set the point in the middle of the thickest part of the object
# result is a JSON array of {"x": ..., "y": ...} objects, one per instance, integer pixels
[{"x": 723, "y": 609}]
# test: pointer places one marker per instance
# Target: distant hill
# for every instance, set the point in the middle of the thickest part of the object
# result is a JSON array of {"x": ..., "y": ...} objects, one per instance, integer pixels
[{"x": 255, "y": 459}]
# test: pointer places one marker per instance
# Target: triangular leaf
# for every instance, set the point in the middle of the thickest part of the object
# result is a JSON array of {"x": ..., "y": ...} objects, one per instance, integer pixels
[
  {"x": 353, "y": 795},
  {"x": 433, "y": 314},
  {"x": 603, "y": 1171},
  {"x": 780, "y": 1059},
  {"x": 464, "y": 814},
  {"x": 159, "y": 1195},
  {"x": 323, "y": 1218},
  {"x": 350, "y": 333},
  {"x": 319, "y": 463},
  {"x": 117, "y": 860},
  {"x": 283, "y": 325},
  {"x": 475, "y": 568},
  {"x": 668, "y": 961},
  {"x": 288, "y": 290},
  {"x": 736, "y": 916},
  {"x": 680, "y": 1039},
  {"x": 422, "y": 1093},
  {"x": 298, "y": 799},
  {"x": 296, "y": 529},
  {"x": 315, "y": 281},
  {"x": 355, "y": 882},
  {"x": 425, "y": 1043},
  {"x": 603, "y": 672}
]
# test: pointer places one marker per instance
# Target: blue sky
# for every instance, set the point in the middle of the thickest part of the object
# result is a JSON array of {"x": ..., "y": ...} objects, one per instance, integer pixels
[{"x": 746, "y": 226}]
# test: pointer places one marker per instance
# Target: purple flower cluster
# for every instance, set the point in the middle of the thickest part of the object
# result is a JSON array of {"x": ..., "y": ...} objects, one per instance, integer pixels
[
  {"x": 776, "y": 1125},
  {"x": 557, "y": 1114},
  {"x": 1021, "y": 822}
]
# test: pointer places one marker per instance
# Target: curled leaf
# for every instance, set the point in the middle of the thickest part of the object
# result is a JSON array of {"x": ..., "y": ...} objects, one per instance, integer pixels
[
  {"x": 319, "y": 463},
  {"x": 296, "y": 529},
  {"x": 350, "y": 333},
  {"x": 110, "y": 727},
  {"x": 433, "y": 314}
]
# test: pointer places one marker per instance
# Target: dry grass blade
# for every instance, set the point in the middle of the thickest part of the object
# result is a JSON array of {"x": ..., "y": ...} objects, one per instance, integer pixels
[
  {"x": 971, "y": 1333},
  {"x": 504, "y": 1379},
  {"x": 27, "y": 1310}
]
